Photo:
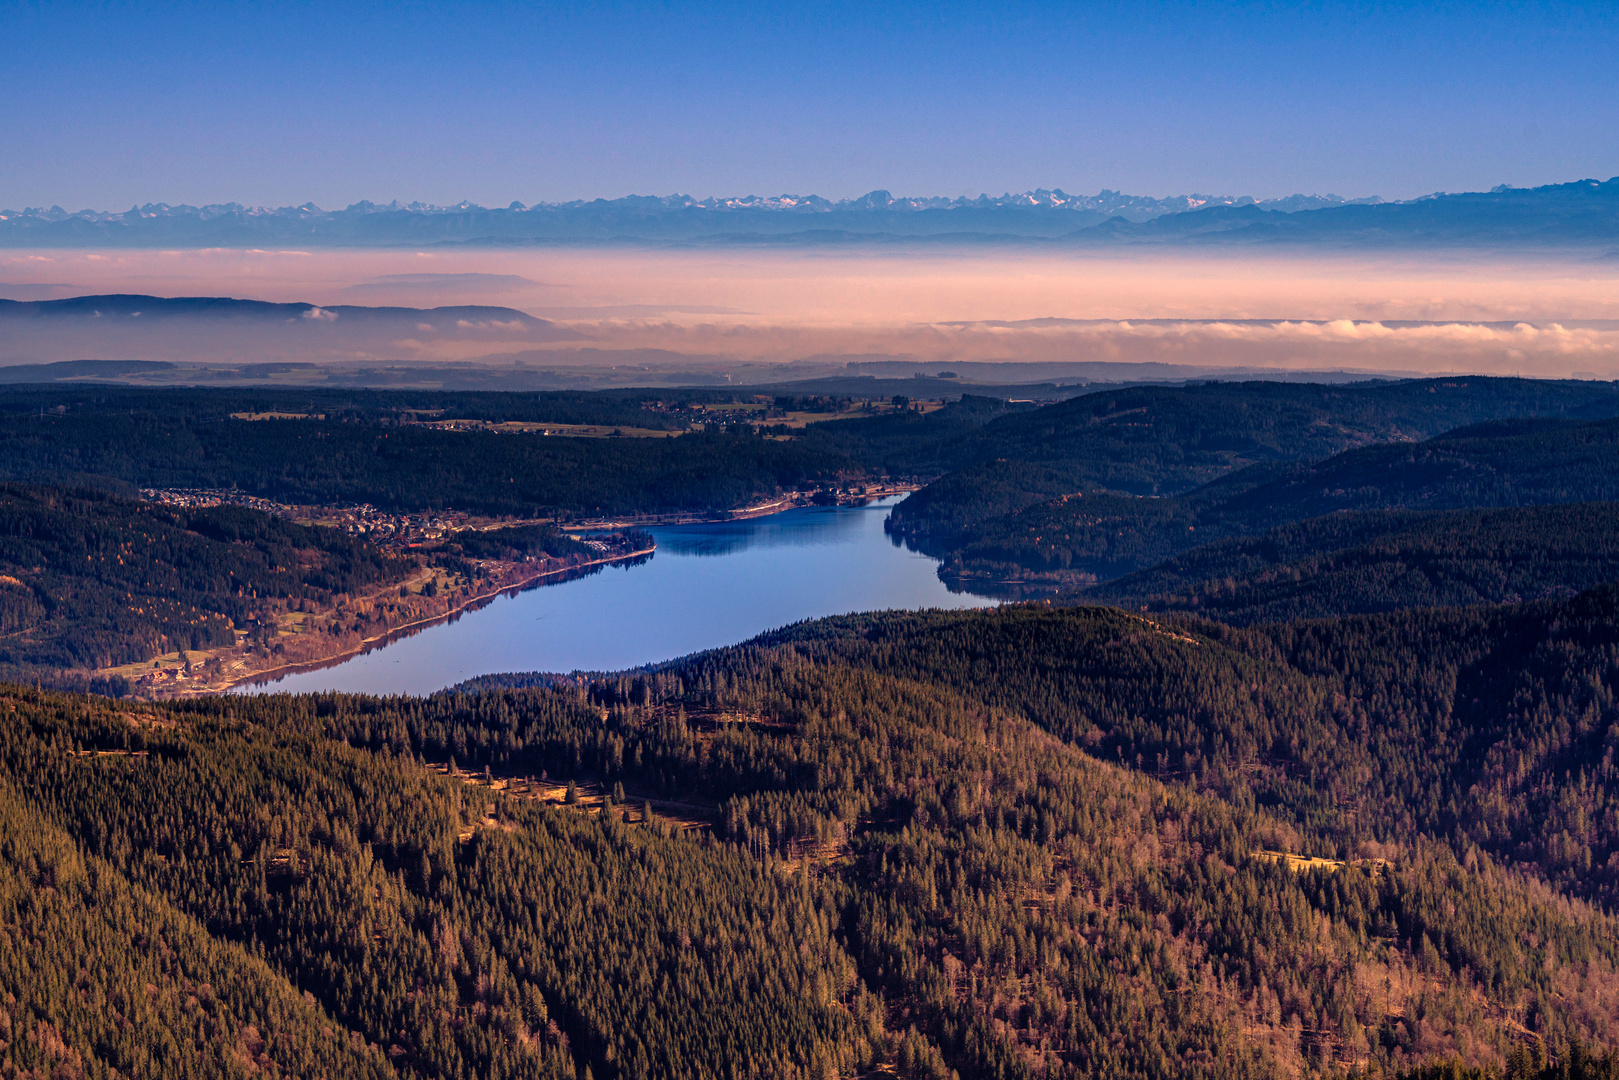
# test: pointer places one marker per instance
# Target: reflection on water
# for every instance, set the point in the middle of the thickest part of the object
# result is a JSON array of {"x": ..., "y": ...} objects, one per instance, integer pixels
[
  {"x": 812, "y": 527},
  {"x": 707, "y": 586}
]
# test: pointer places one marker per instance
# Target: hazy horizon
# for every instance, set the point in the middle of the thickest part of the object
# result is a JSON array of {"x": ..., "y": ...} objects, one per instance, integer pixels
[
  {"x": 449, "y": 102},
  {"x": 972, "y": 305}
]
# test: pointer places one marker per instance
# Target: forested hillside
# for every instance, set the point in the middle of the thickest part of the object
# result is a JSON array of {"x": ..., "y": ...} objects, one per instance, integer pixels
[
  {"x": 1084, "y": 536},
  {"x": 312, "y": 905},
  {"x": 409, "y": 468},
  {"x": 1365, "y": 561},
  {"x": 1064, "y": 842},
  {"x": 1471, "y": 725},
  {"x": 101, "y": 975},
  {"x": 1166, "y": 440},
  {"x": 91, "y": 583},
  {"x": 88, "y": 580}
]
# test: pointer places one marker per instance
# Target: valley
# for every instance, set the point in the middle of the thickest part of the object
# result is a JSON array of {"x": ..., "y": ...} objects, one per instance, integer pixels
[{"x": 1302, "y": 764}]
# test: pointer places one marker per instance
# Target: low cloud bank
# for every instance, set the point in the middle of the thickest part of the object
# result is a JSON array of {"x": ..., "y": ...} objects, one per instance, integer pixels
[
  {"x": 1225, "y": 311},
  {"x": 1551, "y": 350}
]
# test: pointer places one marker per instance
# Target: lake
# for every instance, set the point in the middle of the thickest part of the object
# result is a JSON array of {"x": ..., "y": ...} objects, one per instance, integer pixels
[{"x": 707, "y": 586}]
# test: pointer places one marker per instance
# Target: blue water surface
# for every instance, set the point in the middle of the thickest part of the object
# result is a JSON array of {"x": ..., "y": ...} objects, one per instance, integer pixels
[{"x": 708, "y": 585}]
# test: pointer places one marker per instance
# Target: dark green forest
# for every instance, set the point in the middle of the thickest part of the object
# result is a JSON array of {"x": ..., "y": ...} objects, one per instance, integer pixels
[
  {"x": 1168, "y": 440},
  {"x": 1155, "y": 440},
  {"x": 1152, "y": 440},
  {"x": 1085, "y": 536},
  {"x": 1363, "y": 561},
  {"x": 413, "y": 468},
  {"x": 663, "y": 408},
  {"x": 366, "y": 449}
]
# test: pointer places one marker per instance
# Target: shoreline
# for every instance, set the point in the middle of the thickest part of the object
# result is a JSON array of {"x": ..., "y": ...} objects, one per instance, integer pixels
[
  {"x": 365, "y": 644},
  {"x": 237, "y": 679},
  {"x": 336, "y": 516},
  {"x": 793, "y": 501}
]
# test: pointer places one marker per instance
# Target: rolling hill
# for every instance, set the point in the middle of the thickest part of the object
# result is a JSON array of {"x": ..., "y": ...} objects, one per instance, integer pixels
[
  {"x": 1360, "y": 562},
  {"x": 1084, "y": 536}
]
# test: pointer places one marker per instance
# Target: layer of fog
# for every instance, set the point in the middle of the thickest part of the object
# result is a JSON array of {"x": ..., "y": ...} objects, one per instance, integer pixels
[{"x": 770, "y": 307}]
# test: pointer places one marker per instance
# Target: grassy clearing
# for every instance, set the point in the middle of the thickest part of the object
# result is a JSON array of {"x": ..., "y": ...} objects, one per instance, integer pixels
[{"x": 1301, "y": 863}]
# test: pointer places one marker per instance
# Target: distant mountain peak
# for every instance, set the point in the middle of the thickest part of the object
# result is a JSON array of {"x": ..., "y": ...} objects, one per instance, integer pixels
[
  {"x": 1138, "y": 207},
  {"x": 1583, "y": 213}
]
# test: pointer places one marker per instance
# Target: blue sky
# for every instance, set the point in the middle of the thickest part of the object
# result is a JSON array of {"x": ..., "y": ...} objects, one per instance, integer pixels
[{"x": 109, "y": 105}]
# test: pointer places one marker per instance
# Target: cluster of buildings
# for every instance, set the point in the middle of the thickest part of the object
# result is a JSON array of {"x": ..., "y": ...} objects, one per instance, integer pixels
[
  {"x": 379, "y": 526},
  {"x": 201, "y": 497}
]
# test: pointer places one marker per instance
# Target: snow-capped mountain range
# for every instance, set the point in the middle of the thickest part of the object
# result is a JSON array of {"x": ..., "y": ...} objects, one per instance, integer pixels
[
  {"x": 1111, "y": 203},
  {"x": 1582, "y": 214}
]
